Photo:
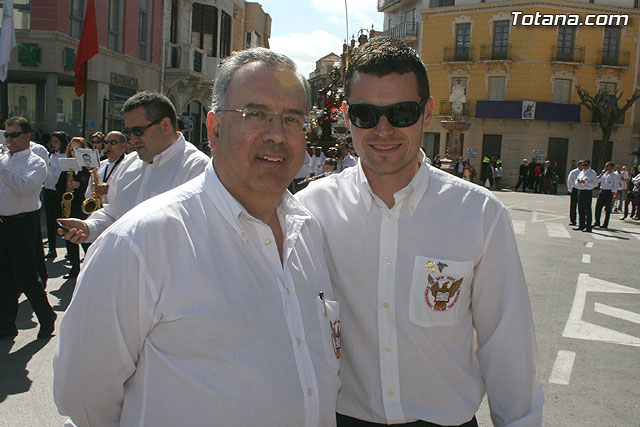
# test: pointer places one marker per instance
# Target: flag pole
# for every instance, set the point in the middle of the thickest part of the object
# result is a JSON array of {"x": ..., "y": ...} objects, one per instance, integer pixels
[{"x": 84, "y": 99}]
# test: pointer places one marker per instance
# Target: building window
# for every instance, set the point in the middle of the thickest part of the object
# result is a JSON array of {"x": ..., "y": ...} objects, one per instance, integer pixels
[
  {"x": 611, "y": 45},
  {"x": 76, "y": 111},
  {"x": 608, "y": 87},
  {"x": 441, "y": 3},
  {"x": 500, "y": 40},
  {"x": 204, "y": 28},
  {"x": 247, "y": 40},
  {"x": 143, "y": 31},
  {"x": 21, "y": 14},
  {"x": 76, "y": 17},
  {"x": 496, "y": 88},
  {"x": 566, "y": 39},
  {"x": 113, "y": 28},
  {"x": 561, "y": 91},
  {"x": 173, "y": 30},
  {"x": 225, "y": 35},
  {"x": 463, "y": 39}
]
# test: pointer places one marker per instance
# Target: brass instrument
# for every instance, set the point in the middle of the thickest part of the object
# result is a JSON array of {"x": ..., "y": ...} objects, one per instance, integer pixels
[
  {"x": 94, "y": 203},
  {"x": 67, "y": 197}
]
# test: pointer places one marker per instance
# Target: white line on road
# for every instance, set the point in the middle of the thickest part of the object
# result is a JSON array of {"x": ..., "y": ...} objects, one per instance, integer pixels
[
  {"x": 617, "y": 312},
  {"x": 602, "y": 235},
  {"x": 557, "y": 230},
  {"x": 635, "y": 232},
  {"x": 518, "y": 226},
  {"x": 586, "y": 258},
  {"x": 589, "y": 245},
  {"x": 562, "y": 367}
]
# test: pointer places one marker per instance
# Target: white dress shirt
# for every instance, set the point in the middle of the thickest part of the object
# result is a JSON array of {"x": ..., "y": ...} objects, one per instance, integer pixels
[
  {"x": 105, "y": 172},
  {"x": 319, "y": 162},
  {"x": 609, "y": 181},
  {"x": 40, "y": 150},
  {"x": 571, "y": 179},
  {"x": 21, "y": 177},
  {"x": 623, "y": 177},
  {"x": 305, "y": 170},
  {"x": 346, "y": 162},
  {"x": 184, "y": 315},
  {"x": 53, "y": 170},
  {"x": 590, "y": 178},
  {"x": 412, "y": 352},
  {"x": 137, "y": 180}
]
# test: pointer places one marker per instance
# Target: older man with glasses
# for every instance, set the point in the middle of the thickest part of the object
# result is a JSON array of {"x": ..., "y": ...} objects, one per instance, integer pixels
[
  {"x": 115, "y": 147},
  {"x": 162, "y": 161},
  {"x": 432, "y": 292}
]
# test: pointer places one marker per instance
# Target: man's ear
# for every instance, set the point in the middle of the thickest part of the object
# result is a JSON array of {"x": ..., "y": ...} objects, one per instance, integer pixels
[
  {"x": 213, "y": 129},
  {"x": 428, "y": 113}
]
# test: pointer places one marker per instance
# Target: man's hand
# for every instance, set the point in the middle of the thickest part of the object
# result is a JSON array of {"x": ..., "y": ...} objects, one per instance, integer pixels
[
  {"x": 102, "y": 189},
  {"x": 75, "y": 231}
]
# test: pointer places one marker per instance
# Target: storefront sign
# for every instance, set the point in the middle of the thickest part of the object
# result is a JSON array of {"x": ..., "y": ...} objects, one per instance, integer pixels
[{"x": 124, "y": 81}]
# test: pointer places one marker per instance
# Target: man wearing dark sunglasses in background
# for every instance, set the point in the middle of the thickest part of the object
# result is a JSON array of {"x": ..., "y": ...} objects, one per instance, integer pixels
[
  {"x": 162, "y": 161},
  {"x": 432, "y": 292}
]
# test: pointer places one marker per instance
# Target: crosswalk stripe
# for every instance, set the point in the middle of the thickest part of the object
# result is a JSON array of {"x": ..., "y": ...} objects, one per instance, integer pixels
[
  {"x": 635, "y": 232},
  {"x": 518, "y": 226},
  {"x": 557, "y": 230},
  {"x": 602, "y": 235}
]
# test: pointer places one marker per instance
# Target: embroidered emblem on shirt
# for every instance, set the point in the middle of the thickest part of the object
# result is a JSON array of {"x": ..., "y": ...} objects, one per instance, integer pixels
[
  {"x": 336, "y": 337},
  {"x": 441, "y": 266},
  {"x": 442, "y": 292},
  {"x": 431, "y": 266}
]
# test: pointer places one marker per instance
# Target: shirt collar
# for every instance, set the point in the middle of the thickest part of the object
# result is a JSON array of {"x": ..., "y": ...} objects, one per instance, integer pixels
[
  {"x": 163, "y": 157},
  {"x": 415, "y": 189},
  {"x": 22, "y": 153}
]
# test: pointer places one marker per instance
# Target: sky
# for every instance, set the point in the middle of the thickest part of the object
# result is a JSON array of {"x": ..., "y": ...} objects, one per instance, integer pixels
[{"x": 307, "y": 30}]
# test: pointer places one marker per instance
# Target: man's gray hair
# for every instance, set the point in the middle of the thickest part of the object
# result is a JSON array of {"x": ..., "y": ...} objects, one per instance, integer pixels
[{"x": 259, "y": 54}]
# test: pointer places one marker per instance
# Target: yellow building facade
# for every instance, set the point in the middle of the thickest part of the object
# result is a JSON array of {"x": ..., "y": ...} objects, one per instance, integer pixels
[{"x": 520, "y": 77}]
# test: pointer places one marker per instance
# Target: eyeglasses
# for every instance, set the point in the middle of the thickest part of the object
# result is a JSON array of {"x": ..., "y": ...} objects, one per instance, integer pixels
[
  {"x": 257, "y": 118},
  {"x": 400, "y": 115},
  {"x": 113, "y": 141},
  {"x": 13, "y": 134},
  {"x": 140, "y": 130}
]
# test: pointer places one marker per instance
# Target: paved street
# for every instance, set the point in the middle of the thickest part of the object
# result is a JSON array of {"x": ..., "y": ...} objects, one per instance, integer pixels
[{"x": 585, "y": 293}]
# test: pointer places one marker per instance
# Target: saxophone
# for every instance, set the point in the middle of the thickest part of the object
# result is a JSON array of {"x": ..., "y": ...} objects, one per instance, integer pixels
[
  {"x": 67, "y": 197},
  {"x": 94, "y": 203}
]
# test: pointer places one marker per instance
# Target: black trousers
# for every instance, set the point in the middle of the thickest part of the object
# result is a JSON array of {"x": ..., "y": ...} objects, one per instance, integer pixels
[
  {"x": 345, "y": 421},
  {"x": 605, "y": 199},
  {"x": 573, "y": 206},
  {"x": 19, "y": 270},
  {"x": 584, "y": 208},
  {"x": 52, "y": 210}
]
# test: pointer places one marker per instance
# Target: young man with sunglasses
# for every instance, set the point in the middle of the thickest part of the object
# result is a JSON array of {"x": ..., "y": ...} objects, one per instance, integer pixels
[
  {"x": 432, "y": 292},
  {"x": 163, "y": 161}
]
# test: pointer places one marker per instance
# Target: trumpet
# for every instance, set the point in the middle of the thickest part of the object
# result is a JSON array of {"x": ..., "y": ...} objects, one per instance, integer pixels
[
  {"x": 93, "y": 203},
  {"x": 67, "y": 197}
]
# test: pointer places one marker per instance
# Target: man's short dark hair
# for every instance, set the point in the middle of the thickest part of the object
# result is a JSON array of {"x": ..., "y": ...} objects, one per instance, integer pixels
[
  {"x": 385, "y": 55},
  {"x": 156, "y": 106},
  {"x": 24, "y": 124},
  {"x": 180, "y": 123}
]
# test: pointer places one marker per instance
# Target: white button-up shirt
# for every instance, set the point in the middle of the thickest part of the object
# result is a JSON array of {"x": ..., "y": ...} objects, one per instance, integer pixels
[
  {"x": 105, "y": 172},
  {"x": 609, "y": 181},
  {"x": 184, "y": 315},
  {"x": 571, "y": 179},
  {"x": 590, "y": 178},
  {"x": 433, "y": 299},
  {"x": 136, "y": 180},
  {"x": 21, "y": 177}
]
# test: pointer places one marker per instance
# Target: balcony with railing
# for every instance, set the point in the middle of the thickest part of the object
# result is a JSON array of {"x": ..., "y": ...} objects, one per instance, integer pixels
[
  {"x": 384, "y": 4},
  {"x": 613, "y": 58},
  {"x": 186, "y": 57},
  {"x": 567, "y": 54},
  {"x": 467, "y": 108},
  {"x": 490, "y": 52},
  {"x": 458, "y": 54},
  {"x": 406, "y": 30}
]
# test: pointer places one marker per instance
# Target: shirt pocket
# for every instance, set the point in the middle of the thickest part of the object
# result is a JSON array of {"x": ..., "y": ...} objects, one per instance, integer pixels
[
  {"x": 330, "y": 328},
  {"x": 440, "y": 291}
]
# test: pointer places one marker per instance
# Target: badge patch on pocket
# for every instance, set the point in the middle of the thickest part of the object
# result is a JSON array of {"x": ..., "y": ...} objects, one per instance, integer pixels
[
  {"x": 442, "y": 292},
  {"x": 335, "y": 337}
]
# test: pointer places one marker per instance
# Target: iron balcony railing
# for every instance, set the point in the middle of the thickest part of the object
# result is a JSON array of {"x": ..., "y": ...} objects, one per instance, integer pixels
[
  {"x": 458, "y": 53},
  {"x": 567, "y": 54},
  {"x": 613, "y": 58},
  {"x": 496, "y": 52},
  {"x": 406, "y": 29}
]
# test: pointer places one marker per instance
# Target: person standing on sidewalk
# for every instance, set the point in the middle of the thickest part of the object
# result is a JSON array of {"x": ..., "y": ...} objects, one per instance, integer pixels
[
  {"x": 586, "y": 181},
  {"x": 608, "y": 184},
  {"x": 573, "y": 192}
]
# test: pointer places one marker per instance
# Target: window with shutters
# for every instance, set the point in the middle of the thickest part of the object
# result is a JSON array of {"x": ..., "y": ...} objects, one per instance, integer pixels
[
  {"x": 76, "y": 16},
  {"x": 566, "y": 41},
  {"x": 611, "y": 45},
  {"x": 143, "y": 30},
  {"x": 463, "y": 38},
  {"x": 496, "y": 88},
  {"x": 225, "y": 35},
  {"x": 173, "y": 28},
  {"x": 204, "y": 28},
  {"x": 561, "y": 91},
  {"x": 113, "y": 26},
  {"x": 500, "y": 40}
]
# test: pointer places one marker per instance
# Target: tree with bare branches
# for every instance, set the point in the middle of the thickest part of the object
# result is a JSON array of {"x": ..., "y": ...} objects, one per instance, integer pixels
[{"x": 606, "y": 112}]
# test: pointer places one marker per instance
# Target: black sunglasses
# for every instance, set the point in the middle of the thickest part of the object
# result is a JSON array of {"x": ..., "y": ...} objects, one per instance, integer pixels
[
  {"x": 400, "y": 115},
  {"x": 13, "y": 134},
  {"x": 140, "y": 130}
]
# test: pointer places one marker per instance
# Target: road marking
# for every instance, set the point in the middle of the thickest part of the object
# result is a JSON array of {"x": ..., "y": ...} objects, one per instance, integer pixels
[
  {"x": 557, "y": 230},
  {"x": 589, "y": 245},
  {"x": 579, "y": 329},
  {"x": 518, "y": 226},
  {"x": 586, "y": 258},
  {"x": 602, "y": 235},
  {"x": 539, "y": 216},
  {"x": 617, "y": 312},
  {"x": 635, "y": 232},
  {"x": 562, "y": 367}
]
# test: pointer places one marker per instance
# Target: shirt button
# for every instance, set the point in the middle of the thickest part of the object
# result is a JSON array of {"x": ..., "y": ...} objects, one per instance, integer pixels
[
  {"x": 309, "y": 392},
  {"x": 299, "y": 341},
  {"x": 387, "y": 349},
  {"x": 390, "y": 393},
  {"x": 387, "y": 260},
  {"x": 267, "y": 242},
  {"x": 389, "y": 215},
  {"x": 412, "y": 208},
  {"x": 243, "y": 234},
  {"x": 288, "y": 291},
  {"x": 385, "y": 305}
]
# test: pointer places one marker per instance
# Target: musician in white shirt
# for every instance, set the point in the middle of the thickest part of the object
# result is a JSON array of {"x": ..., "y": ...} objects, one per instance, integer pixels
[
  {"x": 573, "y": 192},
  {"x": 586, "y": 181},
  {"x": 608, "y": 185},
  {"x": 116, "y": 145}
]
